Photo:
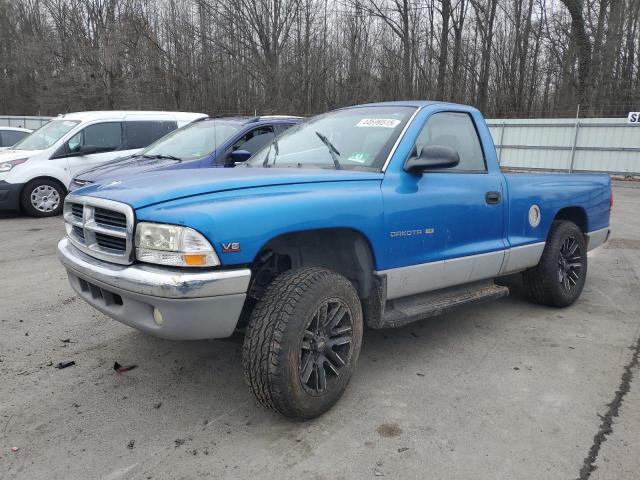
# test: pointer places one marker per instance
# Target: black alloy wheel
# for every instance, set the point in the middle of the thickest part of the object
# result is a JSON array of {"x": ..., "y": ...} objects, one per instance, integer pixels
[{"x": 326, "y": 346}]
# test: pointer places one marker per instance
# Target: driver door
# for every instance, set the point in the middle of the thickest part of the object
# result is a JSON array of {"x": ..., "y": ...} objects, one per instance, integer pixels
[
  {"x": 445, "y": 226},
  {"x": 105, "y": 136}
]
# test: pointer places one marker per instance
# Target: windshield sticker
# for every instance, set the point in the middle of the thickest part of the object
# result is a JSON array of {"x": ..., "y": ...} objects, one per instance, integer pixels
[
  {"x": 359, "y": 157},
  {"x": 378, "y": 122}
]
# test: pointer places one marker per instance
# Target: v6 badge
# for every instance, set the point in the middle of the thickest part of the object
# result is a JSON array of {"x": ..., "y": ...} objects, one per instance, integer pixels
[{"x": 231, "y": 247}]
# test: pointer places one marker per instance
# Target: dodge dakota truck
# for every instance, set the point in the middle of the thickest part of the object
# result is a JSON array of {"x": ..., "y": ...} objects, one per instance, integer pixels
[{"x": 375, "y": 215}]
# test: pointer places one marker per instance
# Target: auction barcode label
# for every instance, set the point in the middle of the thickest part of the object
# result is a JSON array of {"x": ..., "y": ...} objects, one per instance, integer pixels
[{"x": 378, "y": 122}]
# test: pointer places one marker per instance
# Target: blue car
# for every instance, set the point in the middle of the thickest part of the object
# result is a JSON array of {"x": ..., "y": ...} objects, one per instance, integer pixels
[
  {"x": 210, "y": 142},
  {"x": 375, "y": 215}
]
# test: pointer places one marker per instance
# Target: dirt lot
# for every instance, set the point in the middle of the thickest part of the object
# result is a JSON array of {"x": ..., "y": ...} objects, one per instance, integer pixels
[{"x": 505, "y": 390}]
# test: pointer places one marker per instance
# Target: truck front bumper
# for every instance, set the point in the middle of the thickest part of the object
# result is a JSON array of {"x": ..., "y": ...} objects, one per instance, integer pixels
[{"x": 178, "y": 304}]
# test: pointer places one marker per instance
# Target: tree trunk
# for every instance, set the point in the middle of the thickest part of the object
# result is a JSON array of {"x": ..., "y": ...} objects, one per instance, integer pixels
[{"x": 442, "y": 60}]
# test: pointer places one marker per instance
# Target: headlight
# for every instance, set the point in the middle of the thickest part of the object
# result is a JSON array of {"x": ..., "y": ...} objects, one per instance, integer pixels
[
  {"x": 173, "y": 245},
  {"x": 6, "y": 166}
]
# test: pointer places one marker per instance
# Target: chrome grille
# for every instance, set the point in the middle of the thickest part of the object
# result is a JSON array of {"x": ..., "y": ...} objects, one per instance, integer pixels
[
  {"x": 110, "y": 218},
  {"x": 112, "y": 243},
  {"x": 79, "y": 232},
  {"x": 100, "y": 228},
  {"x": 76, "y": 210}
]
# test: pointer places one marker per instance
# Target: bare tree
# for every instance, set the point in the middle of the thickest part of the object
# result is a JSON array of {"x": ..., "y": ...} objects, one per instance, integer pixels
[{"x": 508, "y": 57}]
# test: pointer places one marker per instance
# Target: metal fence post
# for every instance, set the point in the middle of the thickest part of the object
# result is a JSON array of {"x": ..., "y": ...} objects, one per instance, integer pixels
[{"x": 575, "y": 139}]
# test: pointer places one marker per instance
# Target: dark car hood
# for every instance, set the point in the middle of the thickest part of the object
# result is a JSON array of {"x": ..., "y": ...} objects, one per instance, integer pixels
[
  {"x": 123, "y": 168},
  {"x": 160, "y": 186}
]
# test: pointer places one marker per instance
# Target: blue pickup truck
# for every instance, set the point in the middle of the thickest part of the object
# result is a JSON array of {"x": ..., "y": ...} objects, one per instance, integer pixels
[{"x": 375, "y": 215}]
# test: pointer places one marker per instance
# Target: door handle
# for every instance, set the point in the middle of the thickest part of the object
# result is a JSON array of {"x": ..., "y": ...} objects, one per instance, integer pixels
[{"x": 492, "y": 197}]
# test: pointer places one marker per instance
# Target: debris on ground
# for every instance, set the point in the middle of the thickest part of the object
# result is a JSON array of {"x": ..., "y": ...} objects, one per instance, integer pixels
[
  {"x": 179, "y": 441},
  {"x": 67, "y": 340},
  {"x": 157, "y": 405},
  {"x": 131, "y": 444},
  {"x": 14, "y": 449},
  {"x": 65, "y": 364},
  {"x": 121, "y": 369},
  {"x": 403, "y": 449}
]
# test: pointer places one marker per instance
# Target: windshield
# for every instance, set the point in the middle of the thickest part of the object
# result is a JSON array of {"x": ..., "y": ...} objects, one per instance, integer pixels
[
  {"x": 46, "y": 135},
  {"x": 193, "y": 141},
  {"x": 358, "y": 138}
]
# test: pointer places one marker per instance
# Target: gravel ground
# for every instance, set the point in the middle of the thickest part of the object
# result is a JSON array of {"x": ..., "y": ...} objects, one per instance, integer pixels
[{"x": 503, "y": 390}]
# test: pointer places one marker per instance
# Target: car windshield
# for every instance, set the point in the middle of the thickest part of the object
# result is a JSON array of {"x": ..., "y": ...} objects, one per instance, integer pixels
[
  {"x": 193, "y": 141},
  {"x": 358, "y": 138},
  {"x": 46, "y": 135}
]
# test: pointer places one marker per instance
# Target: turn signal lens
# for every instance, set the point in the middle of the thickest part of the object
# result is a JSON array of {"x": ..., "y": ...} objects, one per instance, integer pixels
[{"x": 195, "y": 260}]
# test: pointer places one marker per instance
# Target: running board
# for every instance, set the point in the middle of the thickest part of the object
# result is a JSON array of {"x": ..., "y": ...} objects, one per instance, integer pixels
[{"x": 405, "y": 310}]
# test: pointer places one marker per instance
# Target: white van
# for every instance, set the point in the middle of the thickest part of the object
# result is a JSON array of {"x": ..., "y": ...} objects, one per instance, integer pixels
[{"x": 36, "y": 172}]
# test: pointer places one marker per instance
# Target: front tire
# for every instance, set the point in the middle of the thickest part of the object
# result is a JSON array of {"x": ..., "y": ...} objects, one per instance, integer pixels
[
  {"x": 303, "y": 342},
  {"x": 559, "y": 277},
  {"x": 43, "y": 198}
]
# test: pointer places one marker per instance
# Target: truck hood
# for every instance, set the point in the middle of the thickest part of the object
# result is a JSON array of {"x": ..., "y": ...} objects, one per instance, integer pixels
[
  {"x": 162, "y": 186},
  {"x": 123, "y": 167}
]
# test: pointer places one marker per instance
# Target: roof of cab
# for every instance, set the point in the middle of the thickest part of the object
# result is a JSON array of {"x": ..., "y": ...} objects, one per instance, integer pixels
[
  {"x": 410, "y": 103},
  {"x": 121, "y": 114},
  {"x": 245, "y": 119}
]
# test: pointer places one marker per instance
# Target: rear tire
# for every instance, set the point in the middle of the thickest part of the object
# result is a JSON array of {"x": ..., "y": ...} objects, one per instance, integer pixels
[
  {"x": 43, "y": 197},
  {"x": 303, "y": 342},
  {"x": 559, "y": 277}
]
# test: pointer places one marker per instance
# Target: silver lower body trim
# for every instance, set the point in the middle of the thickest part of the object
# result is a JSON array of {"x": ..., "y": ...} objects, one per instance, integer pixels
[
  {"x": 413, "y": 279},
  {"x": 426, "y": 277},
  {"x": 522, "y": 257},
  {"x": 597, "y": 238}
]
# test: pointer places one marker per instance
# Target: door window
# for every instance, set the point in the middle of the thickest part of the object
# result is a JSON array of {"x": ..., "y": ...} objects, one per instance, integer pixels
[
  {"x": 255, "y": 139},
  {"x": 143, "y": 133},
  {"x": 455, "y": 130},
  {"x": 106, "y": 137},
  {"x": 283, "y": 127}
]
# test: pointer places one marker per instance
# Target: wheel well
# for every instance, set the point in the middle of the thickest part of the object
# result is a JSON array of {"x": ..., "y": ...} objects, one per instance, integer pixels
[
  {"x": 342, "y": 250},
  {"x": 576, "y": 215},
  {"x": 53, "y": 179}
]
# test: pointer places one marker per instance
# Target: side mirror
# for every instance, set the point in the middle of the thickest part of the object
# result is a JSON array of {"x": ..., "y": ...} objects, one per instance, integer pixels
[
  {"x": 88, "y": 150},
  {"x": 239, "y": 156},
  {"x": 432, "y": 157}
]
